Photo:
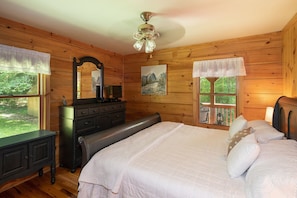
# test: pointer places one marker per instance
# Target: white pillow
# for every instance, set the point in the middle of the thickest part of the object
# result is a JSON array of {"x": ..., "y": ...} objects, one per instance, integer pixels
[
  {"x": 274, "y": 173},
  {"x": 237, "y": 125},
  {"x": 242, "y": 155},
  {"x": 256, "y": 123},
  {"x": 264, "y": 131}
]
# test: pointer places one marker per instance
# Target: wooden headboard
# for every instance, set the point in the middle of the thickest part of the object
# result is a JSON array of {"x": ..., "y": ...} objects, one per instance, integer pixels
[{"x": 285, "y": 116}]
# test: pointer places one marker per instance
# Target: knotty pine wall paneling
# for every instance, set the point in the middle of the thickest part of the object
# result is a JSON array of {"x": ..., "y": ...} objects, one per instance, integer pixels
[
  {"x": 62, "y": 51},
  {"x": 290, "y": 58},
  {"x": 260, "y": 88}
]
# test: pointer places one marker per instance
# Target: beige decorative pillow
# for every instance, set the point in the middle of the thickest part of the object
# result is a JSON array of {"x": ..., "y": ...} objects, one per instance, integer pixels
[{"x": 238, "y": 136}]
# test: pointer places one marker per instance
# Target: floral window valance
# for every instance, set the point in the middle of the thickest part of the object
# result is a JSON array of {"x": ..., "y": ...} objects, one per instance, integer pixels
[
  {"x": 227, "y": 67},
  {"x": 24, "y": 60}
]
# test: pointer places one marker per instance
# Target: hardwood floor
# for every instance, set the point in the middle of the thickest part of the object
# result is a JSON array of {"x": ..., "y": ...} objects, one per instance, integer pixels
[{"x": 41, "y": 187}]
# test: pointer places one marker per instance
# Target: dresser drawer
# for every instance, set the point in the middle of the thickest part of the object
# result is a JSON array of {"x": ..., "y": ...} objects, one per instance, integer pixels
[
  {"x": 117, "y": 118},
  {"x": 105, "y": 109},
  {"x": 103, "y": 123},
  {"x": 93, "y": 110},
  {"x": 81, "y": 112},
  {"x": 112, "y": 108},
  {"x": 83, "y": 125},
  {"x": 120, "y": 106}
]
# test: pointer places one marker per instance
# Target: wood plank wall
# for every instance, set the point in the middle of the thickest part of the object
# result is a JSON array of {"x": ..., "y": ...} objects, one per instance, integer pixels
[
  {"x": 290, "y": 58},
  {"x": 259, "y": 89},
  {"x": 62, "y": 51}
]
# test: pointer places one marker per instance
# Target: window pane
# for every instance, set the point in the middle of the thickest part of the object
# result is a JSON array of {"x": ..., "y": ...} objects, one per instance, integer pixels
[
  {"x": 15, "y": 83},
  {"x": 217, "y": 115},
  {"x": 204, "y": 85},
  {"x": 204, "y": 114},
  {"x": 225, "y": 85},
  {"x": 18, "y": 115},
  {"x": 225, "y": 116},
  {"x": 204, "y": 99},
  {"x": 227, "y": 100}
]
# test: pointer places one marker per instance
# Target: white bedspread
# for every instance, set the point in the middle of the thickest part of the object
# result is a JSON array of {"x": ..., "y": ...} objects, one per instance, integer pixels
[{"x": 166, "y": 160}]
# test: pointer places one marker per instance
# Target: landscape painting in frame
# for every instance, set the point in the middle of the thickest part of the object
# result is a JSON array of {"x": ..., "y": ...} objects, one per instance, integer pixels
[{"x": 154, "y": 80}]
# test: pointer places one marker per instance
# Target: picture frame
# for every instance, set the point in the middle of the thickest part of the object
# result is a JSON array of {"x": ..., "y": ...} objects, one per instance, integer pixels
[{"x": 154, "y": 80}]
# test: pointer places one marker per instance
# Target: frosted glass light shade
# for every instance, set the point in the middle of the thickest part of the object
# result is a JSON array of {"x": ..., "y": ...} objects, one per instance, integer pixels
[
  {"x": 149, "y": 46},
  {"x": 138, "y": 45}
]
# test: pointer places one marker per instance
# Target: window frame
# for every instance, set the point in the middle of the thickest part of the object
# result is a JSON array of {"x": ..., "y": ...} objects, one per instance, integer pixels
[
  {"x": 196, "y": 102},
  {"x": 43, "y": 85}
]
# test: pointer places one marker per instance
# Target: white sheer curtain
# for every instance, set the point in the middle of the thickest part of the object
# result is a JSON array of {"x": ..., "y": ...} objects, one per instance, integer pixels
[
  {"x": 219, "y": 68},
  {"x": 24, "y": 60}
]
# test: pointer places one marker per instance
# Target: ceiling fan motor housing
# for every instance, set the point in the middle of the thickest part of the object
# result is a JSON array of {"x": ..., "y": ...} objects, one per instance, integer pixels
[
  {"x": 146, "y": 28},
  {"x": 146, "y": 16}
]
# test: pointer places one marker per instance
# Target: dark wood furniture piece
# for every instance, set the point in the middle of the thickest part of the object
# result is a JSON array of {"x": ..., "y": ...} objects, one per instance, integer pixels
[
  {"x": 27, "y": 153},
  {"x": 87, "y": 61},
  {"x": 92, "y": 143},
  {"x": 285, "y": 116},
  {"x": 85, "y": 119}
]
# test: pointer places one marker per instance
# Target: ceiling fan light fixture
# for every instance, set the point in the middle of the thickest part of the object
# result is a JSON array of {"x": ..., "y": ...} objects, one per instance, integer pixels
[
  {"x": 150, "y": 45},
  {"x": 138, "y": 45},
  {"x": 145, "y": 35}
]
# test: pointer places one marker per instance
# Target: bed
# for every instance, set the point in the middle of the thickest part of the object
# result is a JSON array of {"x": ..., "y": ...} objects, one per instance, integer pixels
[{"x": 153, "y": 158}]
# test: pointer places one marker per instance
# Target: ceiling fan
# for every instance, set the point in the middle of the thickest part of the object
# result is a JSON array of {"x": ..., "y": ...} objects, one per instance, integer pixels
[{"x": 145, "y": 35}]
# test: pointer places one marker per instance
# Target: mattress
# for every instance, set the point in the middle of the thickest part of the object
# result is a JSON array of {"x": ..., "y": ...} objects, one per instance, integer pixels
[{"x": 167, "y": 159}]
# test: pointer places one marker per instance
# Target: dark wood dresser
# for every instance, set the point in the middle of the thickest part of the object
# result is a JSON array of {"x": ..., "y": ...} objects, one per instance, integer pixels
[
  {"x": 27, "y": 153},
  {"x": 85, "y": 119}
]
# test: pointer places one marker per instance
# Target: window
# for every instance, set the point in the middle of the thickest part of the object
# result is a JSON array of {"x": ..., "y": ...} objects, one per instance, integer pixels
[
  {"x": 23, "y": 86},
  {"x": 216, "y": 91},
  {"x": 217, "y": 100},
  {"x": 20, "y": 102}
]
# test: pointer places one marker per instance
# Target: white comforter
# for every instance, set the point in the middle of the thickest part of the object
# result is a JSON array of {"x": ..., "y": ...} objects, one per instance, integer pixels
[{"x": 166, "y": 160}]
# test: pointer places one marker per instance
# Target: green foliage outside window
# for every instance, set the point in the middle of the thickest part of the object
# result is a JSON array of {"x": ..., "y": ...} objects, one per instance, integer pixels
[
  {"x": 225, "y": 85},
  {"x": 204, "y": 89},
  {"x": 15, "y": 83},
  {"x": 212, "y": 101},
  {"x": 15, "y": 115}
]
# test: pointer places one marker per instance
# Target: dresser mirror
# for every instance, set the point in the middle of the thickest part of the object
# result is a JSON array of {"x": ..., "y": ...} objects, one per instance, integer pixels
[{"x": 88, "y": 79}]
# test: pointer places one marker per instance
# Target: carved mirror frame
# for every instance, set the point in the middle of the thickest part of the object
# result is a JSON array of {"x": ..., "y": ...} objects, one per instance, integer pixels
[{"x": 100, "y": 67}]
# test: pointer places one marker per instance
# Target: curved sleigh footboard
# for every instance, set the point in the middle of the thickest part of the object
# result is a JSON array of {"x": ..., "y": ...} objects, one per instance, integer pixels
[{"x": 90, "y": 144}]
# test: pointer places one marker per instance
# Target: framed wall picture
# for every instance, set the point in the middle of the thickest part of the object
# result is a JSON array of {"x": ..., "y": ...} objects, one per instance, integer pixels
[{"x": 154, "y": 80}]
